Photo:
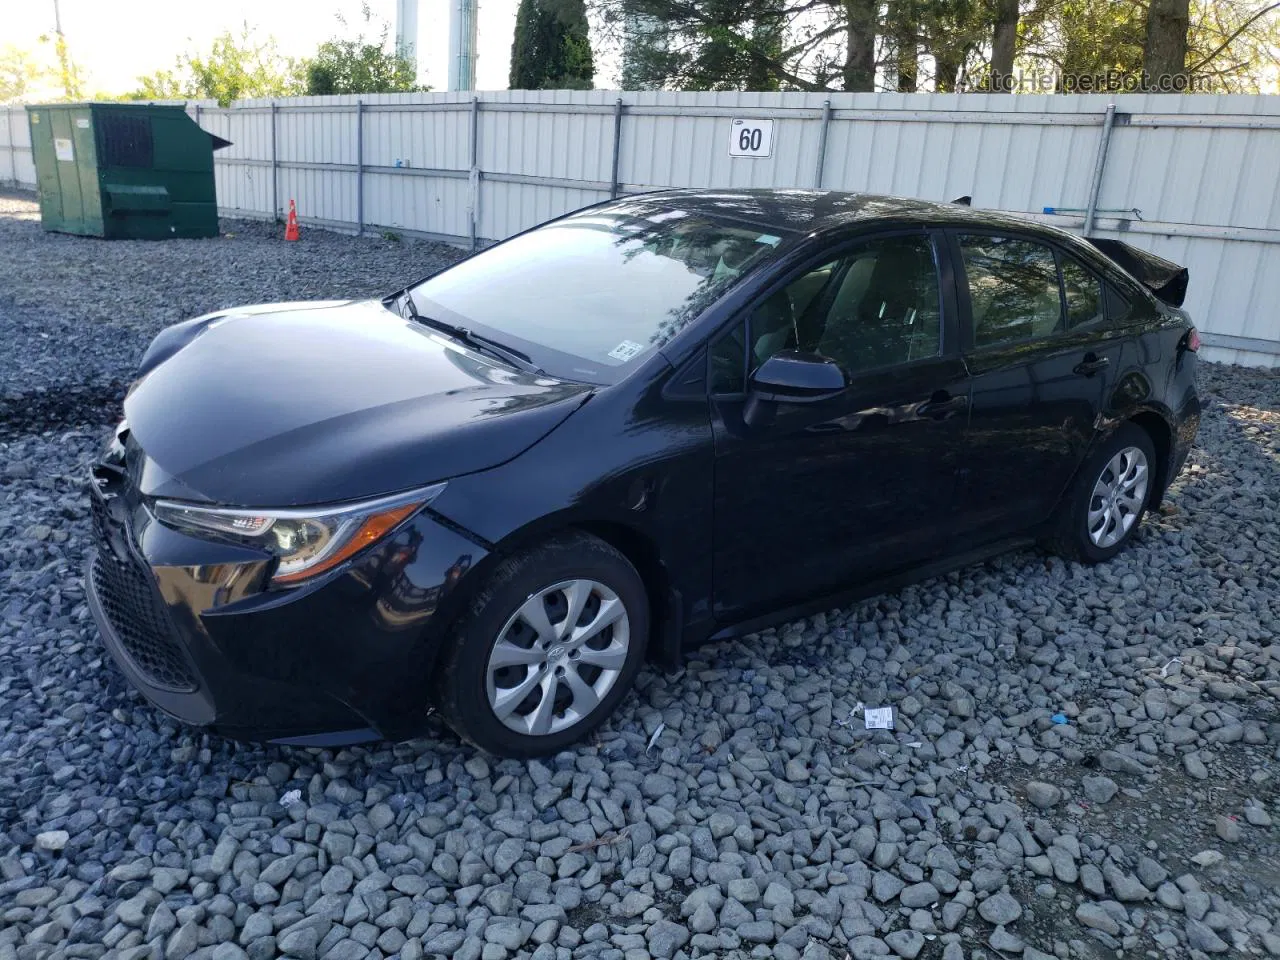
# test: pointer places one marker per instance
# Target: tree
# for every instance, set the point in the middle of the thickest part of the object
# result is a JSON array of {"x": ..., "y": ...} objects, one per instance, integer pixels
[
  {"x": 1235, "y": 45},
  {"x": 1004, "y": 41},
  {"x": 942, "y": 45},
  {"x": 552, "y": 49},
  {"x": 860, "y": 48},
  {"x": 360, "y": 65},
  {"x": 903, "y": 28},
  {"x": 235, "y": 68},
  {"x": 1079, "y": 38},
  {"x": 1164, "y": 54},
  {"x": 21, "y": 74}
]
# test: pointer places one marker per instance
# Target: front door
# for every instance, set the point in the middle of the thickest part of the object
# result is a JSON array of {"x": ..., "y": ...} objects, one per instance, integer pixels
[
  {"x": 1042, "y": 359},
  {"x": 826, "y": 493}
]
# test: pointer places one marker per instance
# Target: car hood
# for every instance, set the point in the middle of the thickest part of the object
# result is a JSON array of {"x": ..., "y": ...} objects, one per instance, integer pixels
[{"x": 301, "y": 403}]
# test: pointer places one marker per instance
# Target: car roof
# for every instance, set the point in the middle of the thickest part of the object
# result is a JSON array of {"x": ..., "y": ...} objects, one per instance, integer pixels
[{"x": 810, "y": 211}]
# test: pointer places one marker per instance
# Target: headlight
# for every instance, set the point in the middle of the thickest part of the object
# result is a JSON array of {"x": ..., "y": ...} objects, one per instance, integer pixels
[{"x": 308, "y": 541}]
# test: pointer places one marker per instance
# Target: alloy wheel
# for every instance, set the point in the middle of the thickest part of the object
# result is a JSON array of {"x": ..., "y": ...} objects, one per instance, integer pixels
[
  {"x": 1118, "y": 497},
  {"x": 557, "y": 657}
]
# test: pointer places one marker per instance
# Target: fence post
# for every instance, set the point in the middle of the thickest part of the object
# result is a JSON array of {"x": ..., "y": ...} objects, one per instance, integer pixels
[
  {"x": 1095, "y": 188},
  {"x": 617, "y": 148},
  {"x": 13, "y": 144},
  {"x": 275, "y": 168},
  {"x": 475, "y": 169},
  {"x": 359, "y": 168},
  {"x": 822, "y": 144}
]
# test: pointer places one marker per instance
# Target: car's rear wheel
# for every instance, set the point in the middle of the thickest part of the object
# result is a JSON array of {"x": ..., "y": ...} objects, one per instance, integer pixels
[
  {"x": 1108, "y": 499},
  {"x": 551, "y": 645}
]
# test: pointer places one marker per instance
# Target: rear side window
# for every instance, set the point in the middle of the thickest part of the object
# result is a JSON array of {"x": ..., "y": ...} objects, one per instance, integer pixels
[
  {"x": 1083, "y": 293},
  {"x": 1117, "y": 304},
  {"x": 1013, "y": 289}
]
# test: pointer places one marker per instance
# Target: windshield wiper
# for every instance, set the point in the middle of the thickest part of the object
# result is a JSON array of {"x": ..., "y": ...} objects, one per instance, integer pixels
[{"x": 477, "y": 341}]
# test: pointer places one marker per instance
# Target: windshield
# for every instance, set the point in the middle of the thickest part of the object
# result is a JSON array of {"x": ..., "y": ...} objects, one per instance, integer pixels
[{"x": 600, "y": 289}]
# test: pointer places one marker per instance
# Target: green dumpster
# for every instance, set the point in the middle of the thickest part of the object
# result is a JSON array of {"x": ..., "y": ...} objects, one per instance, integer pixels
[{"x": 135, "y": 170}]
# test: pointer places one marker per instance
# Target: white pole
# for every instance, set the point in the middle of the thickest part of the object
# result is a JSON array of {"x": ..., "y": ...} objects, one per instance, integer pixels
[
  {"x": 462, "y": 45},
  {"x": 407, "y": 32}
]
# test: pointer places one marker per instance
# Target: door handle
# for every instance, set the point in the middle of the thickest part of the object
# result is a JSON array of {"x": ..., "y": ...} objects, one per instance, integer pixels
[
  {"x": 1091, "y": 364},
  {"x": 942, "y": 405}
]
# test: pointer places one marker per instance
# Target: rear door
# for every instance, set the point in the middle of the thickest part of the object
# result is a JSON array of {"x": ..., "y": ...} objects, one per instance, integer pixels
[
  {"x": 861, "y": 483},
  {"x": 1043, "y": 358}
]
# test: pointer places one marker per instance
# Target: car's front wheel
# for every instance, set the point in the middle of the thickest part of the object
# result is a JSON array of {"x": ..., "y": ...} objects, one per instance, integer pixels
[
  {"x": 1108, "y": 498},
  {"x": 551, "y": 645}
]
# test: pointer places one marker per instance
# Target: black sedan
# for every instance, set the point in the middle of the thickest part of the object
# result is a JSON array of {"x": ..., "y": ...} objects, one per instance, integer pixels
[{"x": 670, "y": 418}]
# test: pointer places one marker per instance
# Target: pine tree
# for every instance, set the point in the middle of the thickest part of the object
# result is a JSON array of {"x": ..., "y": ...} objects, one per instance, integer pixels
[{"x": 552, "y": 50}]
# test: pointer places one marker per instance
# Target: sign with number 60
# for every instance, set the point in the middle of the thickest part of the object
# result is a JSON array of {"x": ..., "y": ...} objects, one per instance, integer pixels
[{"x": 751, "y": 138}]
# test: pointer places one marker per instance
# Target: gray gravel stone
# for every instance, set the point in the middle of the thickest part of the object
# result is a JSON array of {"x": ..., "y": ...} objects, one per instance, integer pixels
[
  {"x": 1043, "y": 795},
  {"x": 52, "y": 840},
  {"x": 919, "y": 895},
  {"x": 1000, "y": 908},
  {"x": 1201, "y": 937},
  {"x": 665, "y": 938},
  {"x": 905, "y": 943},
  {"x": 1099, "y": 789},
  {"x": 1093, "y": 916}
]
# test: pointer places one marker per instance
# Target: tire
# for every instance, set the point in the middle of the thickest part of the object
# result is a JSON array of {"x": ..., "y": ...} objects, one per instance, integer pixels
[
  {"x": 1091, "y": 527},
  {"x": 545, "y": 690}
]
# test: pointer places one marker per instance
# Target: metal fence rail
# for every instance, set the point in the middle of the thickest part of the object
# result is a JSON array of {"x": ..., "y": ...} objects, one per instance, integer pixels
[{"x": 1192, "y": 178}]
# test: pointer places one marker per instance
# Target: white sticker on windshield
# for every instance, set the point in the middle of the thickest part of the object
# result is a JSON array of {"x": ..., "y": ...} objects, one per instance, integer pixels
[
  {"x": 626, "y": 350},
  {"x": 768, "y": 238}
]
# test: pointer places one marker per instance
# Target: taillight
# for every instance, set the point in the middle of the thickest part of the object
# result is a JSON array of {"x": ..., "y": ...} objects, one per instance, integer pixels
[{"x": 1193, "y": 340}]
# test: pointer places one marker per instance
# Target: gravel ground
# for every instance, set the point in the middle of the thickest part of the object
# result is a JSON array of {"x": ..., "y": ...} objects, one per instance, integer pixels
[{"x": 737, "y": 808}]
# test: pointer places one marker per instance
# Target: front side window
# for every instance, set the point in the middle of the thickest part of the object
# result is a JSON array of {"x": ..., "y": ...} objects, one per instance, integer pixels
[
  {"x": 875, "y": 307},
  {"x": 1013, "y": 289},
  {"x": 599, "y": 289}
]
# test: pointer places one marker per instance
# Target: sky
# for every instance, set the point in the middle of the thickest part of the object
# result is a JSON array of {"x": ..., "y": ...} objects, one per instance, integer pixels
[{"x": 116, "y": 42}]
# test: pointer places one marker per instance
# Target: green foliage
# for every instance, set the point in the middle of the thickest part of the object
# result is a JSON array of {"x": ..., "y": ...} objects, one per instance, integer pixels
[
  {"x": 732, "y": 47},
  {"x": 351, "y": 66},
  {"x": 68, "y": 73},
  {"x": 1235, "y": 44},
  {"x": 360, "y": 65},
  {"x": 22, "y": 74},
  {"x": 552, "y": 48},
  {"x": 235, "y": 68},
  {"x": 1082, "y": 37}
]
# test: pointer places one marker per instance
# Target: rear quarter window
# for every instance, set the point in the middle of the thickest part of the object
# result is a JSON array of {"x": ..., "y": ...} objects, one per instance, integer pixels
[{"x": 1083, "y": 292}]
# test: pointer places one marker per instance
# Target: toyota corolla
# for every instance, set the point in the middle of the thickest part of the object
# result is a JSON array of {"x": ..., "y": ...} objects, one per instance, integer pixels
[{"x": 660, "y": 420}]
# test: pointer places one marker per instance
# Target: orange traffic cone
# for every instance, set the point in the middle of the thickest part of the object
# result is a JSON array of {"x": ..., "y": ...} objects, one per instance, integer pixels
[{"x": 291, "y": 225}]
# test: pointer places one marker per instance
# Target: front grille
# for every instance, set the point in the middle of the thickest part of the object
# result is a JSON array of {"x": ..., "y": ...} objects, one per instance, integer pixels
[{"x": 130, "y": 603}]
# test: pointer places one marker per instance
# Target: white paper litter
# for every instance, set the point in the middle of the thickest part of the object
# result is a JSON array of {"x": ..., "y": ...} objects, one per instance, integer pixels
[
  {"x": 879, "y": 718},
  {"x": 290, "y": 798},
  {"x": 654, "y": 739}
]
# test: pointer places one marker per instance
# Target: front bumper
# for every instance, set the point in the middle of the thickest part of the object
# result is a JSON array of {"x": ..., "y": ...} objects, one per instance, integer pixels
[{"x": 343, "y": 659}]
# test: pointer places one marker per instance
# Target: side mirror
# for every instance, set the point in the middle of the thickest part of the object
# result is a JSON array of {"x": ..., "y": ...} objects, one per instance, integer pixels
[
  {"x": 796, "y": 377},
  {"x": 790, "y": 376}
]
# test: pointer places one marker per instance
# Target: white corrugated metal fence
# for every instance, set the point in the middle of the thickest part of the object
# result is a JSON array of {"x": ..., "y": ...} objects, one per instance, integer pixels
[{"x": 1195, "y": 179}]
